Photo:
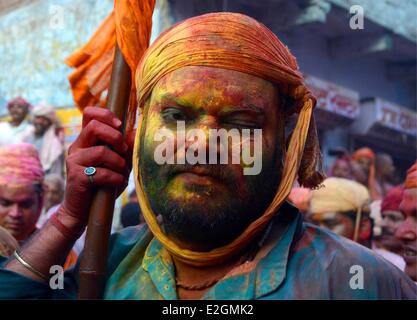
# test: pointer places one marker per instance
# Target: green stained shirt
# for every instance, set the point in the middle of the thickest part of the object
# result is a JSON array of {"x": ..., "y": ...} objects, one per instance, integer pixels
[{"x": 296, "y": 261}]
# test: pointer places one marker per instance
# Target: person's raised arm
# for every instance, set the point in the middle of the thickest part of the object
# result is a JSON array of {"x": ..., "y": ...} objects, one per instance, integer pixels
[{"x": 51, "y": 245}]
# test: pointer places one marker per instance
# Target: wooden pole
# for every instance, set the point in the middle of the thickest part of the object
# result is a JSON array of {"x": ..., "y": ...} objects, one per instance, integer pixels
[{"x": 93, "y": 264}]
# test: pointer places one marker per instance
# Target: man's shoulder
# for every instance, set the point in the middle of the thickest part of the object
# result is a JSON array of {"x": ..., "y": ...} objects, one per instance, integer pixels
[
  {"x": 127, "y": 238},
  {"x": 343, "y": 264},
  {"x": 325, "y": 243}
]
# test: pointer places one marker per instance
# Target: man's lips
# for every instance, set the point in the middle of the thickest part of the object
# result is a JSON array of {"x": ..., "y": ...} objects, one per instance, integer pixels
[
  {"x": 201, "y": 179},
  {"x": 410, "y": 254},
  {"x": 14, "y": 226}
]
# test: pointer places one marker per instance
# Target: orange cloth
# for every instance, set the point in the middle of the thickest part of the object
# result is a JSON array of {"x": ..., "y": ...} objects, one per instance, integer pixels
[
  {"x": 130, "y": 23},
  {"x": 369, "y": 154},
  {"x": 411, "y": 179},
  {"x": 71, "y": 260}
]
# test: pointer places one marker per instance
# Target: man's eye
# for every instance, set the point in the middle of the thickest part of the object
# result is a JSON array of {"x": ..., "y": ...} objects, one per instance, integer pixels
[
  {"x": 241, "y": 120},
  {"x": 27, "y": 204},
  {"x": 173, "y": 115},
  {"x": 241, "y": 124},
  {"x": 5, "y": 203}
]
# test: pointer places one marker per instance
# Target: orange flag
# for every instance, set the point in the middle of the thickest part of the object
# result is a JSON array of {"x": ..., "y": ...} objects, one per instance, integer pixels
[{"x": 129, "y": 24}]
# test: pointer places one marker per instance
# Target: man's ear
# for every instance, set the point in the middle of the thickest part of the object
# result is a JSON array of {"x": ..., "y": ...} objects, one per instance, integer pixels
[{"x": 365, "y": 230}]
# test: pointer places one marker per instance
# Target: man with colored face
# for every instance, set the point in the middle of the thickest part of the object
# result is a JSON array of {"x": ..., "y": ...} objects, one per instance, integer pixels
[
  {"x": 21, "y": 190},
  {"x": 18, "y": 129},
  {"x": 223, "y": 234},
  {"x": 407, "y": 231},
  {"x": 386, "y": 244},
  {"x": 341, "y": 168},
  {"x": 341, "y": 206},
  {"x": 22, "y": 194},
  {"x": 226, "y": 200}
]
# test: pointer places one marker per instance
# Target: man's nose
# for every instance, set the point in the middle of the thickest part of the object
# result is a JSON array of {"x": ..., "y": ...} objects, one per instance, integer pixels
[
  {"x": 407, "y": 230},
  {"x": 204, "y": 126},
  {"x": 15, "y": 211}
]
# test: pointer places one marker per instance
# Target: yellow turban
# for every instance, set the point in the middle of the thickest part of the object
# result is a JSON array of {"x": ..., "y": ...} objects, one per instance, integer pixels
[{"x": 339, "y": 195}]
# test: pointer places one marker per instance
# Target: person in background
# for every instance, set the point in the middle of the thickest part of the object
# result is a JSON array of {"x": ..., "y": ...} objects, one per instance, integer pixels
[
  {"x": 131, "y": 215},
  {"x": 21, "y": 192},
  {"x": 386, "y": 244},
  {"x": 54, "y": 194},
  {"x": 46, "y": 139},
  {"x": 133, "y": 197},
  {"x": 384, "y": 173},
  {"x": 407, "y": 230},
  {"x": 341, "y": 206},
  {"x": 18, "y": 129},
  {"x": 363, "y": 168},
  {"x": 341, "y": 167}
]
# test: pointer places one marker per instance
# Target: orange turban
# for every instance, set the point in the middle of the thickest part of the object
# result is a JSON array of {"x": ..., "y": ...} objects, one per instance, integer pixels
[
  {"x": 364, "y": 153},
  {"x": 20, "y": 166},
  {"x": 369, "y": 154},
  {"x": 411, "y": 179}
]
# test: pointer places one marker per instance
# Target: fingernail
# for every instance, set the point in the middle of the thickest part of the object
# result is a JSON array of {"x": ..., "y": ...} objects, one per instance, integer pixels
[{"x": 125, "y": 147}]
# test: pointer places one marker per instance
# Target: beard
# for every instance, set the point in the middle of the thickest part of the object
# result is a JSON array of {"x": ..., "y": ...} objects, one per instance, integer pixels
[{"x": 215, "y": 214}]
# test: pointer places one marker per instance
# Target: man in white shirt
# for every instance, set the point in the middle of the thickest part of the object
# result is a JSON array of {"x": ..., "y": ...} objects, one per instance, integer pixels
[
  {"x": 18, "y": 129},
  {"x": 44, "y": 137}
]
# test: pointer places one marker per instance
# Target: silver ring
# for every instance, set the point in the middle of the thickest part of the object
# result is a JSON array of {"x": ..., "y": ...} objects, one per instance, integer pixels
[{"x": 90, "y": 172}]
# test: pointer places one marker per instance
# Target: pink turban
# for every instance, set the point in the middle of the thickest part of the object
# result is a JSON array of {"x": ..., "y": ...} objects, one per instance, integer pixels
[
  {"x": 19, "y": 101},
  {"x": 20, "y": 166},
  {"x": 392, "y": 199}
]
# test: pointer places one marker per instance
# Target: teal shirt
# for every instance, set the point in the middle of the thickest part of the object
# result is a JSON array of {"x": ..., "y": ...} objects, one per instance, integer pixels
[{"x": 297, "y": 261}]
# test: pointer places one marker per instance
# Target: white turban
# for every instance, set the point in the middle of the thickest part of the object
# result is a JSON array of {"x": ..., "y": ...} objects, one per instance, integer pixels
[
  {"x": 44, "y": 109},
  {"x": 339, "y": 195}
]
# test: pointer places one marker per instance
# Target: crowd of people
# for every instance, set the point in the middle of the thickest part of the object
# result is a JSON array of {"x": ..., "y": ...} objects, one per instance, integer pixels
[
  {"x": 37, "y": 125},
  {"x": 360, "y": 200},
  {"x": 32, "y": 171}
]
